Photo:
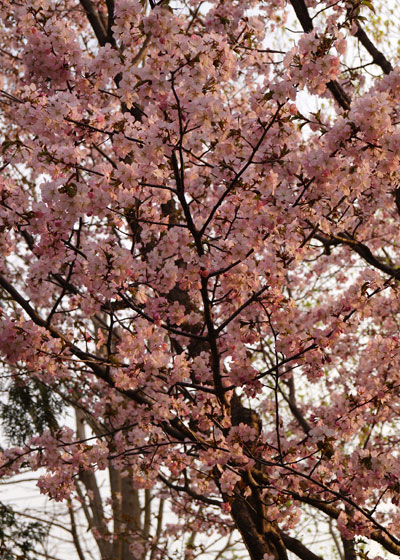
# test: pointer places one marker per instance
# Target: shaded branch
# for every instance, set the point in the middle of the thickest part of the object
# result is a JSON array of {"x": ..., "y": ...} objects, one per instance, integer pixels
[
  {"x": 298, "y": 548},
  {"x": 74, "y": 531},
  {"x": 258, "y": 545},
  {"x": 377, "y": 56},
  {"x": 349, "y": 549},
  {"x": 95, "y": 21},
  {"x": 160, "y": 518},
  {"x": 305, "y": 20},
  {"x": 105, "y": 36},
  {"x": 333, "y": 512},
  {"x": 302, "y": 14},
  {"x": 90, "y": 360},
  {"x": 110, "y": 21},
  {"x": 190, "y": 492},
  {"x": 362, "y": 250},
  {"x": 294, "y": 408}
]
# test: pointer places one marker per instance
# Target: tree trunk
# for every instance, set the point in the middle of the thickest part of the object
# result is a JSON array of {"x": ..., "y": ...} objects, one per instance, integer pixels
[{"x": 268, "y": 541}]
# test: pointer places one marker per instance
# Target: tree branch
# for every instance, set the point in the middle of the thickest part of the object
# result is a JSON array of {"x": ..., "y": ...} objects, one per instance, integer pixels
[
  {"x": 302, "y": 14},
  {"x": 110, "y": 22},
  {"x": 349, "y": 549},
  {"x": 74, "y": 531},
  {"x": 190, "y": 492},
  {"x": 362, "y": 250},
  {"x": 160, "y": 518},
  {"x": 377, "y": 56},
  {"x": 305, "y": 20},
  {"x": 95, "y": 22},
  {"x": 294, "y": 408},
  {"x": 90, "y": 360},
  {"x": 298, "y": 548},
  {"x": 333, "y": 512}
]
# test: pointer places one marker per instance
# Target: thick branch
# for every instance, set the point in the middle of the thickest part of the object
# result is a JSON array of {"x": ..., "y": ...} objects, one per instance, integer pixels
[
  {"x": 115, "y": 488},
  {"x": 160, "y": 518},
  {"x": 305, "y": 20},
  {"x": 74, "y": 531},
  {"x": 258, "y": 545},
  {"x": 349, "y": 549},
  {"x": 89, "y": 481},
  {"x": 294, "y": 408},
  {"x": 131, "y": 517},
  {"x": 330, "y": 510},
  {"x": 105, "y": 36},
  {"x": 298, "y": 548},
  {"x": 302, "y": 14},
  {"x": 339, "y": 94},
  {"x": 387, "y": 544},
  {"x": 95, "y": 22},
  {"x": 110, "y": 22},
  {"x": 333, "y": 512},
  {"x": 362, "y": 250},
  {"x": 377, "y": 56},
  {"x": 147, "y": 513}
]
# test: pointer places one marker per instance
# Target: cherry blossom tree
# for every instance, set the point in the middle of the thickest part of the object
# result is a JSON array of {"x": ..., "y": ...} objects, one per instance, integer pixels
[
  {"x": 203, "y": 269},
  {"x": 141, "y": 521}
]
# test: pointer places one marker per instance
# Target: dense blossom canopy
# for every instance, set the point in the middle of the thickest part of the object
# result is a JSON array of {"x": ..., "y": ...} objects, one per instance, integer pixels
[{"x": 203, "y": 268}]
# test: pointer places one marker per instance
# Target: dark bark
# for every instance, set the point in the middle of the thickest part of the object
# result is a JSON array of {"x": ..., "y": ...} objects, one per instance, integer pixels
[
  {"x": 299, "y": 549},
  {"x": 362, "y": 250},
  {"x": 257, "y": 544},
  {"x": 110, "y": 21},
  {"x": 95, "y": 21},
  {"x": 349, "y": 549},
  {"x": 302, "y": 14},
  {"x": 243, "y": 415},
  {"x": 305, "y": 20},
  {"x": 377, "y": 56},
  {"x": 397, "y": 199}
]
